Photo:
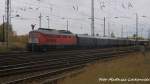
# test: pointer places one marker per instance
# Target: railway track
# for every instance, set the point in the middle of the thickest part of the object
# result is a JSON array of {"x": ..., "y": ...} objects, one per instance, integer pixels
[
  {"x": 16, "y": 58},
  {"x": 14, "y": 64}
]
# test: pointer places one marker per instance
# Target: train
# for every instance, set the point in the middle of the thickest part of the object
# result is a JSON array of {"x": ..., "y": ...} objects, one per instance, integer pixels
[{"x": 44, "y": 39}]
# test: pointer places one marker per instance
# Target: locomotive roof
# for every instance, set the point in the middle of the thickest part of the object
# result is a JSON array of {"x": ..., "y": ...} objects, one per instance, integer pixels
[
  {"x": 54, "y": 31},
  {"x": 88, "y": 36}
]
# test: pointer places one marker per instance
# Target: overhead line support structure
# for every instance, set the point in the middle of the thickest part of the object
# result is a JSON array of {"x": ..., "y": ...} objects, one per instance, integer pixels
[{"x": 92, "y": 18}]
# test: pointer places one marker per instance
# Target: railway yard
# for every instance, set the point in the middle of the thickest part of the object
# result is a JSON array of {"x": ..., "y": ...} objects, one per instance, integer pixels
[
  {"x": 74, "y": 42},
  {"x": 20, "y": 67}
]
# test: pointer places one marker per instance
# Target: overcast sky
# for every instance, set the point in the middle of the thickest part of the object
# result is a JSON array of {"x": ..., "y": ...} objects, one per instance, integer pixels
[{"x": 78, "y": 13}]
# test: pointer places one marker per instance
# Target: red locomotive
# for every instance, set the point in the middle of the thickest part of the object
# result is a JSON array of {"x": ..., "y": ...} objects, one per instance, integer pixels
[{"x": 43, "y": 39}]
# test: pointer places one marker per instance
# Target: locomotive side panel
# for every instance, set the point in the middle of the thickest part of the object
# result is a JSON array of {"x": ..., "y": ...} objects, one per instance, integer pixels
[
  {"x": 58, "y": 41},
  {"x": 68, "y": 40}
]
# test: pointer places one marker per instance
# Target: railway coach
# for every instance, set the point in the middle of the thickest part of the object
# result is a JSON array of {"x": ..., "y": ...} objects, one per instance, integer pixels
[
  {"x": 45, "y": 39},
  {"x": 101, "y": 42}
]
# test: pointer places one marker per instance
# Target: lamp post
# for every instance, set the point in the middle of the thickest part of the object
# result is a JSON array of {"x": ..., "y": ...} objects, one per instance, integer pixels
[
  {"x": 122, "y": 31},
  {"x": 8, "y": 20},
  {"x": 3, "y": 28},
  {"x": 40, "y": 20},
  {"x": 108, "y": 29},
  {"x": 92, "y": 18},
  {"x": 67, "y": 23},
  {"x": 104, "y": 27},
  {"x": 48, "y": 20},
  {"x": 137, "y": 24}
]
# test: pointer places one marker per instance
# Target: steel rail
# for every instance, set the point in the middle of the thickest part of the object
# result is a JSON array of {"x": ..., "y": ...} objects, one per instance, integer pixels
[{"x": 7, "y": 69}]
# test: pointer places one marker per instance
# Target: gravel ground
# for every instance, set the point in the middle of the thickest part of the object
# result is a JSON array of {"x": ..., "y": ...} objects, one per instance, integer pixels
[{"x": 135, "y": 65}]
